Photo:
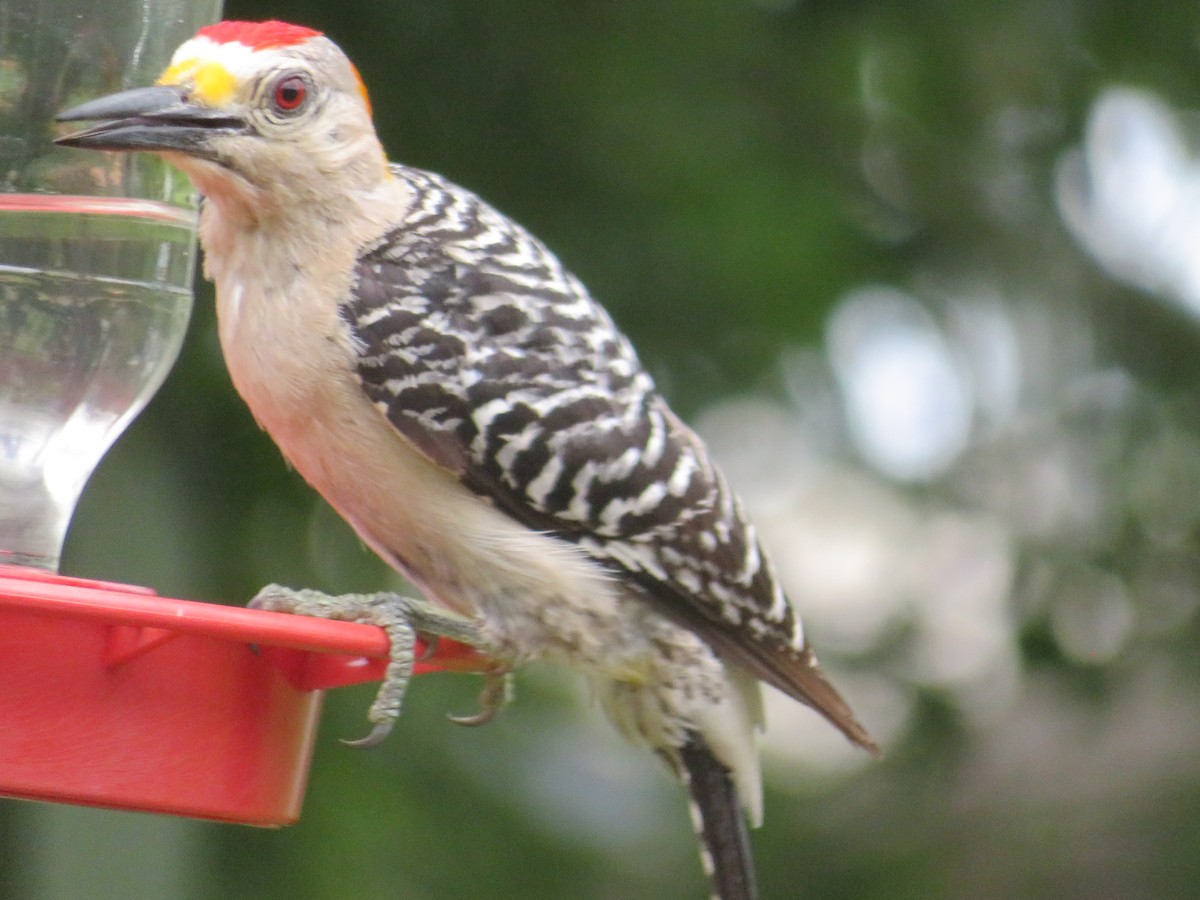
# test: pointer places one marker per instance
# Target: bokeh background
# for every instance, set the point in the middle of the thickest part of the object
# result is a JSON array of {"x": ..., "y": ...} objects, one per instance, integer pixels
[{"x": 926, "y": 274}]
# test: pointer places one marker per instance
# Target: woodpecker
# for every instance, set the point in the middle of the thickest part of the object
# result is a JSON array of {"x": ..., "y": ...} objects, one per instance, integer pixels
[{"x": 433, "y": 370}]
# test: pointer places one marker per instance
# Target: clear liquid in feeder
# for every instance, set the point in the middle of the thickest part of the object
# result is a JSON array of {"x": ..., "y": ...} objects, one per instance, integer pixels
[
  {"x": 94, "y": 301},
  {"x": 97, "y": 253}
]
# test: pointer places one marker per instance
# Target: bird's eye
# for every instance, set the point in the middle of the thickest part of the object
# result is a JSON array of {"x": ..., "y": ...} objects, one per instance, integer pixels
[{"x": 290, "y": 93}]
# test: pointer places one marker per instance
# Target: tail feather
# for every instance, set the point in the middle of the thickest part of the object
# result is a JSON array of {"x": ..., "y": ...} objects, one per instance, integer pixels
[
  {"x": 797, "y": 674},
  {"x": 720, "y": 826}
]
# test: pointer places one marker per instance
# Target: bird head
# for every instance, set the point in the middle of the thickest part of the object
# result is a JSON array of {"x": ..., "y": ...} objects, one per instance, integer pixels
[{"x": 262, "y": 116}]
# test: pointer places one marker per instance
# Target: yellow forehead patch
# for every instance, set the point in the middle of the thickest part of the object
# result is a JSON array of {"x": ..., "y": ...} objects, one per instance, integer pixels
[{"x": 212, "y": 83}]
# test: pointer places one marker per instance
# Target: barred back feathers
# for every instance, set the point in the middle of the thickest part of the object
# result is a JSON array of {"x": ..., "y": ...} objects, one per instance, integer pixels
[{"x": 484, "y": 351}]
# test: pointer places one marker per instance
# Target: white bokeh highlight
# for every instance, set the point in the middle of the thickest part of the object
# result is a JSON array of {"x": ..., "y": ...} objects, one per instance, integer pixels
[
  {"x": 1131, "y": 195},
  {"x": 907, "y": 404}
]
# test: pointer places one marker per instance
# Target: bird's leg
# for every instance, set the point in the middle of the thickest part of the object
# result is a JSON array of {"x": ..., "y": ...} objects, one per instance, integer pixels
[{"x": 401, "y": 618}]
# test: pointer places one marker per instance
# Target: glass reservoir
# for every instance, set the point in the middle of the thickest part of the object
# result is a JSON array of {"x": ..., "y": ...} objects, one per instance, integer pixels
[
  {"x": 94, "y": 301},
  {"x": 97, "y": 253}
]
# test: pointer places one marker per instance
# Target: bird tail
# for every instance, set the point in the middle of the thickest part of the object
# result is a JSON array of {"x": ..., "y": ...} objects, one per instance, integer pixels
[{"x": 720, "y": 825}]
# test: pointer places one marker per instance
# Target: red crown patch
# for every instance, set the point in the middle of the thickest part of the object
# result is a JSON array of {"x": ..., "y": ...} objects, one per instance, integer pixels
[{"x": 257, "y": 35}]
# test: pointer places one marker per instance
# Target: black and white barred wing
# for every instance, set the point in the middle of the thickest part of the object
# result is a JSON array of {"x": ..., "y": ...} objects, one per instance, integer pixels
[{"x": 493, "y": 360}]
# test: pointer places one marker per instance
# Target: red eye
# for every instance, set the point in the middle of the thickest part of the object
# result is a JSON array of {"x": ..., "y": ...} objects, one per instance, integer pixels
[{"x": 290, "y": 93}]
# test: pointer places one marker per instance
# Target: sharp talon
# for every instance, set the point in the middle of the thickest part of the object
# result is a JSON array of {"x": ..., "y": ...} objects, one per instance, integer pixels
[
  {"x": 492, "y": 699},
  {"x": 378, "y": 732},
  {"x": 480, "y": 718},
  {"x": 431, "y": 645}
]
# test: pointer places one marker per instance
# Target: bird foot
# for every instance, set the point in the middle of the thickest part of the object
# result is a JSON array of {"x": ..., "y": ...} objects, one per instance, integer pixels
[{"x": 401, "y": 618}]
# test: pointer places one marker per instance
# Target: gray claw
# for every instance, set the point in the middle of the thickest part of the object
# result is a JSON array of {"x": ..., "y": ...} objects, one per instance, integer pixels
[
  {"x": 377, "y": 735},
  {"x": 496, "y": 693},
  {"x": 431, "y": 645}
]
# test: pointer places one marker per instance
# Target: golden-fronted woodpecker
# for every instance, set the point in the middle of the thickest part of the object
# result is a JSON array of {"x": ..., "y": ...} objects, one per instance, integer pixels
[{"x": 457, "y": 396}]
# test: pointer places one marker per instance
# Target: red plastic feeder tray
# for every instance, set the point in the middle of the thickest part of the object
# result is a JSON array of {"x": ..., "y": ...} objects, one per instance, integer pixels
[{"x": 112, "y": 696}]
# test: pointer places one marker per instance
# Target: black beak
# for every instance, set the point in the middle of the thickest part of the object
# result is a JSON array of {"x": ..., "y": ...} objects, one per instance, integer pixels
[{"x": 151, "y": 118}]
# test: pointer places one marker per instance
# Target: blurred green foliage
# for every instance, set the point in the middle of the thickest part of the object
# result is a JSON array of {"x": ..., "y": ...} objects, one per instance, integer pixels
[{"x": 719, "y": 172}]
